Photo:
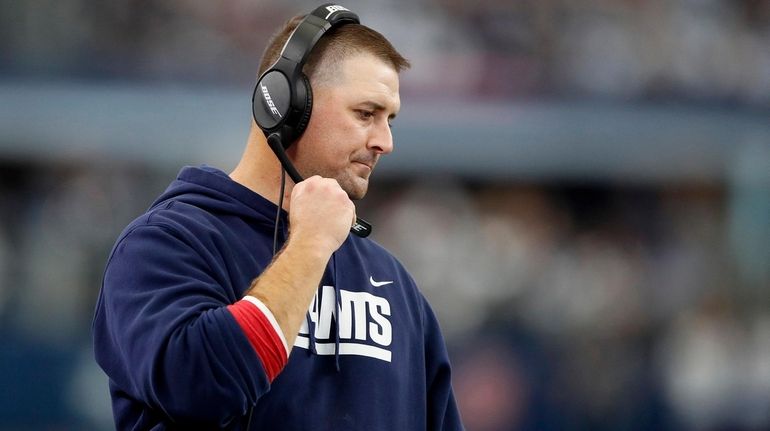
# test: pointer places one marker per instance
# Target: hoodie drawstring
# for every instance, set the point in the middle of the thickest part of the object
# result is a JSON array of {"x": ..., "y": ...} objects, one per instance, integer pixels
[
  {"x": 312, "y": 350},
  {"x": 337, "y": 307},
  {"x": 310, "y": 335}
]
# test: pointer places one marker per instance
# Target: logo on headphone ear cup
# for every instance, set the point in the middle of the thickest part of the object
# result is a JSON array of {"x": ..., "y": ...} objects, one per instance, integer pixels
[
  {"x": 273, "y": 110},
  {"x": 271, "y": 100}
]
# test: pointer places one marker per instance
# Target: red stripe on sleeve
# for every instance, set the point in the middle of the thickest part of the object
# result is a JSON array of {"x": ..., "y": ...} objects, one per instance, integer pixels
[{"x": 262, "y": 336}]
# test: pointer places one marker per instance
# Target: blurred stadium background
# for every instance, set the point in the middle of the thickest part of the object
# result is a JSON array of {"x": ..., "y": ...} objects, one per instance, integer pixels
[{"x": 582, "y": 189}]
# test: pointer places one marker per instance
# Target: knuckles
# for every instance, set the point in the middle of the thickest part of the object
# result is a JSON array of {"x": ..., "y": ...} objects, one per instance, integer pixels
[{"x": 317, "y": 185}]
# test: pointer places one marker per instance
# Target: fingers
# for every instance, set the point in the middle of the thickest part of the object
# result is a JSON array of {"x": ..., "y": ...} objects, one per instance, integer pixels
[{"x": 322, "y": 211}]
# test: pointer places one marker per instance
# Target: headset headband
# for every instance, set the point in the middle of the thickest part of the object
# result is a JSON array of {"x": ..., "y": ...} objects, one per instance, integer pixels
[{"x": 312, "y": 27}]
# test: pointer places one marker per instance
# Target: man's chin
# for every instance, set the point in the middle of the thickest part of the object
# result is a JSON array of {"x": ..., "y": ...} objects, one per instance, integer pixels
[
  {"x": 357, "y": 194},
  {"x": 356, "y": 189}
]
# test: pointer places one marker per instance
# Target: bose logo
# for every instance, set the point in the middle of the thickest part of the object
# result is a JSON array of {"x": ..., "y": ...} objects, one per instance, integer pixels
[
  {"x": 269, "y": 101},
  {"x": 334, "y": 8}
]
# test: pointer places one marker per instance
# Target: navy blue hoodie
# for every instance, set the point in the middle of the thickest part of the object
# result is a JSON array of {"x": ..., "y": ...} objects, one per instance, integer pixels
[{"x": 370, "y": 355}]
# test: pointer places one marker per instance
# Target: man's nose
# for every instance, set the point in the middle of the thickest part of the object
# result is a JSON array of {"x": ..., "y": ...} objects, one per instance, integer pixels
[{"x": 381, "y": 140}]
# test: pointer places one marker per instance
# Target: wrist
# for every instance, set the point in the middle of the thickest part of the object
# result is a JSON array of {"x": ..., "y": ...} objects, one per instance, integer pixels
[{"x": 310, "y": 246}]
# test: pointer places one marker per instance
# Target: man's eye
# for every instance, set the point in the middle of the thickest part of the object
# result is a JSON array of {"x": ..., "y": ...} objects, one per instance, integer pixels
[{"x": 365, "y": 115}]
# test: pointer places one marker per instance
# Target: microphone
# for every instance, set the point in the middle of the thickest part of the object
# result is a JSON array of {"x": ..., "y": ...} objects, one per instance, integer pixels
[{"x": 360, "y": 228}]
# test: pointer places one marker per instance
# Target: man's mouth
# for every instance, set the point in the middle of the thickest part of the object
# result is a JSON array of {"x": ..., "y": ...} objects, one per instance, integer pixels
[{"x": 369, "y": 163}]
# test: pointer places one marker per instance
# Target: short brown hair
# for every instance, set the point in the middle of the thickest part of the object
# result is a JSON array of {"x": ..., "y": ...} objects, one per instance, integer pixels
[{"x": 334, "y": 46}]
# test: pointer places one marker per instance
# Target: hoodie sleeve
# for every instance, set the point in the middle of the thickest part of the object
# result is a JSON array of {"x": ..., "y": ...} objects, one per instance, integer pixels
[
  {"x": 442, "y": 411},
  {"x": 165, "y": 336}
]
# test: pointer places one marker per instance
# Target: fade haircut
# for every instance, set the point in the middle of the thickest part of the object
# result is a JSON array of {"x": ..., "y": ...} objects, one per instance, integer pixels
[{"x": 324, "y": 62}]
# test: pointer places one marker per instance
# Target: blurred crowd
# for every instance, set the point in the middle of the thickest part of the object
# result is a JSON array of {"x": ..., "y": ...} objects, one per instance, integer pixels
[
  {"x": 567, "y": 304},
  {"x": 714, "y": 50},
  {"x": 593, "y": 306}
]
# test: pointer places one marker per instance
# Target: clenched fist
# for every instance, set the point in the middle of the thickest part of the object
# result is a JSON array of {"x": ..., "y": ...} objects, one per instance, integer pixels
[{"x": 321, "y": 214}]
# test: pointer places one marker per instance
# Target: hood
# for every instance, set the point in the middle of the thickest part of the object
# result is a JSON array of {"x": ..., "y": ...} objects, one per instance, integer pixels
[{"x": 214, "y": 191}]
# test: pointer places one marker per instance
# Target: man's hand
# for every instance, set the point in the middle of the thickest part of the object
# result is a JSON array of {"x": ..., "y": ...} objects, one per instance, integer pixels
[
  {"x": 321, "y": 214},
  {"x": 320, "y": 217}
]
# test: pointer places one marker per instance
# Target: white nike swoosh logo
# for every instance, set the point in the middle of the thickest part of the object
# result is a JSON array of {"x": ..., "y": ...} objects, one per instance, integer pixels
[{"x": 378, "y": 283}]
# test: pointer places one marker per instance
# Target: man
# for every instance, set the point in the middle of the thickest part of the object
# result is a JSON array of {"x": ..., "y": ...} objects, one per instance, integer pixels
[{"x": 200, "y": 326}]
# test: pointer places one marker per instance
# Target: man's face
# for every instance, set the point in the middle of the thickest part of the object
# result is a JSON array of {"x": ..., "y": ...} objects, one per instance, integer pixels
[{"x": 349, "y": 128}]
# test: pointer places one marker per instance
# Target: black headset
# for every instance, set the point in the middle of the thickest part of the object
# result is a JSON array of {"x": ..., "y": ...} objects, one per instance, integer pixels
[{"x": 283, "y": 100}]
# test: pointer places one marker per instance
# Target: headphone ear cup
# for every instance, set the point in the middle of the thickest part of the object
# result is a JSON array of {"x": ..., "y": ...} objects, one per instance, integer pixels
[
  {"x": 271, "y": 101},
  {"x": 304, "y": 118}
]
